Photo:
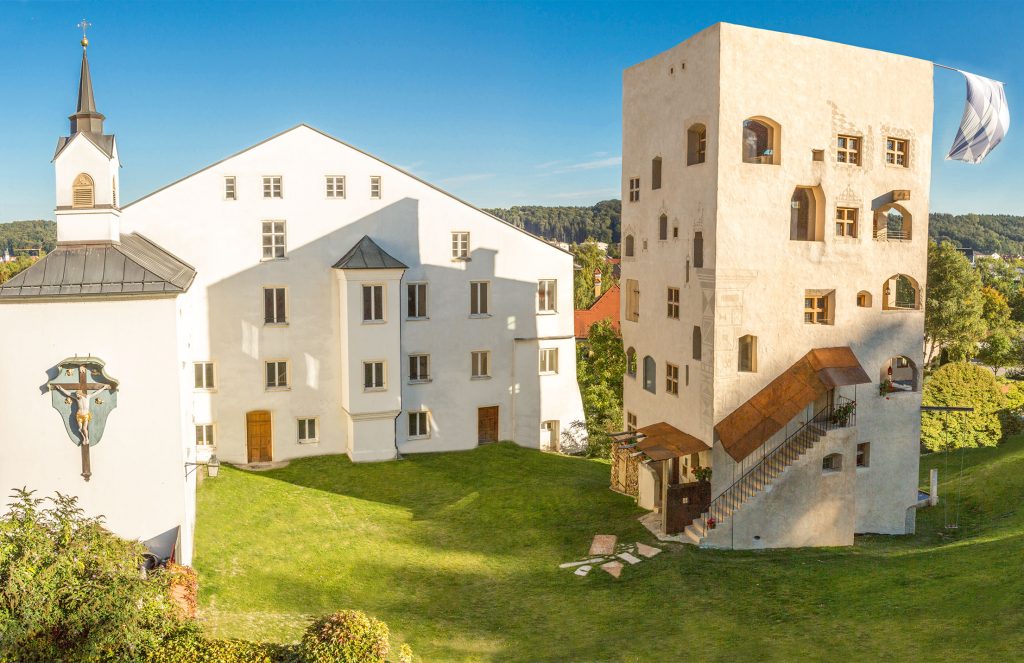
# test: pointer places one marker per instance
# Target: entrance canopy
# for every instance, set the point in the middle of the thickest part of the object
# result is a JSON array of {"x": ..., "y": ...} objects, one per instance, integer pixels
[{"x": 662, "y": 441}]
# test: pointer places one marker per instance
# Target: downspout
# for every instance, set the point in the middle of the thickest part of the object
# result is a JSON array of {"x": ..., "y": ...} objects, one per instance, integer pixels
[{"x": 401, "y": 327}]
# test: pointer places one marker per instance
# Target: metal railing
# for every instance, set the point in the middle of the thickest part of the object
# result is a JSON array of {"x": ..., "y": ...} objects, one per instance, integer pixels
[
  {"x": 886, "y": 234},
  {"x": 842, "y": 413}
]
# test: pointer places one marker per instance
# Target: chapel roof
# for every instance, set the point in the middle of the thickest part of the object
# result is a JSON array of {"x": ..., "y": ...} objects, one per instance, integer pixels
[
  {"x": 367, "y": 255},
  {"x": 133, "y": 267}
]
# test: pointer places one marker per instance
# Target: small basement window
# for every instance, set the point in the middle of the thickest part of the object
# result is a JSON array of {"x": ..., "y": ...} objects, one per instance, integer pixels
[
  {"x": 832, "y": 463},
  {"x": 864, "y": 454}
]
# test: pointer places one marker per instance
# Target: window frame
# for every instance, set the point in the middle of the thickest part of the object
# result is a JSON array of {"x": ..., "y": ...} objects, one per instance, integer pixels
[
  {"x": 820, "y": 306},
  {"x": 894, "y": 154},
  {"x": 671, "y": 378},
  {"x": 863, "y": 458},
  {"x": 673, "y": 303},
  {"x": 273, "y": 234},
  {"x": 277, "y": 386},
  {"x": 656, "y": 169},
  {"x": 335, "y": 187},
  {"x": 844, "y": 151},
  {"x": 275, "y": 300},
  {"x": 650, "y": 382},
  {"x": 416, "y": 300},
  {"x": 634, "y": 189},
  {"x": 547, "y": 296},
  {"x": 209, "y": 375},
  {"x": 230, "y": 187},
  {"x": 746, "y": 359},
  {"x": 847, "y": 222},
  {"x": 482, "y": 304},
  {"x": 209, "y": 434},
  {"x": 299, "y": 421},
  {"x": 273, "y": 187},
  {"x": 376, "y": 187},
  {"x": 479, "y": 364},
  {"x": 417, "y": 415},
  {"x": 460, "y": 245},
  {"x": 379, "y": 308},
  {"x": 374, "y": 363},
  {"x": 631, "y": 422},
  {"x": 421, "y": 362},
  {"x": 547, "y": 361}
]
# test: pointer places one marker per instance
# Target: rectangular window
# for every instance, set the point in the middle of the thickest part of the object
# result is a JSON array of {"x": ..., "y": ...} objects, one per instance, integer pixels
[
  {"x": 748, "y": 354},
  {"x": 272, "y": 187},
  {"x": 373, "y": 303},
  {"x": 672, "y": 379},
  {"x": 632, "y": 300},
  {"x": 419, "y": 424},
  {"x": 848, "y": 150},
  {"x": 864, "y": 454},
  {"x": 460, "y": 246},
  {"x": 230, "y": 192},
  {"x": 547, "y": 296},
  {"x": 478, "y": 298},
  {"x": 375, "y": 186},
  {"x": 818, "y": 307},
  {"x": 656, "y": 173},
  {"x": 634, "y": 189},
  {"x": 549, "y": 434},
  {"x": 687, "y": 372},
  {"x": 335, "y": 186},
  {"x": 846, "y": 222},
  {"x": 419, "y": 368},
  {"x": 480, "y": 361},
  {"x": 548, "y": 361},
  {"x": 417, "y": 300},
  {"x": 277, "y": 374},
  {"x": 204, "y": 434},
  {"x": 373, "y": 375},
  {"x": 273, "y": 240},
  {"x": 673, "y": 303},
  {"x": 630, "y": 422},
  {"x": 896, "y": 152},
  {"x": 204, "y": 375},
  {"x": 274, "y": 306},
  {"x": 308, "y": 430}
]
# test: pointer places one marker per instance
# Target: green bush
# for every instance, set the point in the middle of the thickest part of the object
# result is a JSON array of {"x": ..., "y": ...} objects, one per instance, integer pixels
[
  {"x": 347, "y": 636},
  {"x": 961, "y": 384},
  {"x": 72, "y": 591},
  {"x": 189, "y": 646}
]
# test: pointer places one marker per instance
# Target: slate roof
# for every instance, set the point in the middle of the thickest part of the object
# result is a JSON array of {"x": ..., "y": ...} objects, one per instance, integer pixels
[
  {"x": 367, "y": 255},
  {"x": 105, "y": 143},
  {"x": 135, "y": 267}
]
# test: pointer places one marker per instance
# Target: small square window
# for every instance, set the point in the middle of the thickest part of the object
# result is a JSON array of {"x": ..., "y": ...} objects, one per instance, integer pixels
[
  {"x": 818, "y": 307},
  {"x": 277, "y": 374},
  {"x": 832, "y": 463},
  {"x": 846, "y": 222},
  {"x": 308, "y": 430},
  {"x": 335, "y": 186},
  {"x": 896, "y": 152},
  {"x": 375, "y": 187},
  {"x": 848, "y": 150},
  {"x": 204, "y": 375},
  {"x": 419, "y": 368},
  {"x": 419, "y": 424},
  {"x": 272, "y": 187},
  {"x": 204, "y": 434},
  {"x": 548, "y": 361},
  {"x": 373, "y": 375},
  {"x": 480, "y": 364}
]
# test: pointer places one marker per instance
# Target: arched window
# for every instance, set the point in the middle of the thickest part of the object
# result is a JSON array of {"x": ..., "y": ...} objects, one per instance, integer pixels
[
  {"x": 761, "y": 139},
  {"x": 864, "y": 299},
  {"x": 901, "y": 293},
  {"x": 631, "y": 362},
  {"x": 628, "y": 250},
  {"x": 83, "y": 192},
  {"x": 806, "y": 215},
  {"x": 898, "y": 374},
  {"x": 698, "y": 249},
  {"x": 650, "y": 374},
  {"x": 663, "y": 226},
  {"x": 696, "y": 144},
  {"x": 748, "y": 354},
  {"x": 832, "y": 463},
  {"x": 893, "y": 223},
  {"x": 696, "y": 342},
  {"x": 656, "y": 173}
]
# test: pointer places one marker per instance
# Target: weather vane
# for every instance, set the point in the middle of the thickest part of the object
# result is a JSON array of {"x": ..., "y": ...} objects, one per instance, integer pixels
[{"x": 84, "y": 25}]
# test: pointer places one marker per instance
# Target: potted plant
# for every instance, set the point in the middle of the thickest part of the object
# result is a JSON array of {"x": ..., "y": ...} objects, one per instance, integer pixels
[
  {"x": 712, "y": 522},
  {"x": 886, "y": 387},
  {"x": 702, "y": 473},
  {"x": 841, "y": 414}
]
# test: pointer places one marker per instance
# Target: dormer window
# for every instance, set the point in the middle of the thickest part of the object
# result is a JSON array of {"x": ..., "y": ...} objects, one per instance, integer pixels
[{"x": 83, "y": 192}]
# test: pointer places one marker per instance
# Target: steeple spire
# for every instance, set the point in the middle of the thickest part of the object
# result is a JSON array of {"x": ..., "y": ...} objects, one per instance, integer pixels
[{"x": 86, "y": 118}]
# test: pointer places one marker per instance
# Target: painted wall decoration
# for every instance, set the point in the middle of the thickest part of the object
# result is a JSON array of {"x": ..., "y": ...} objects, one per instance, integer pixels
[{"x": 85, "y": 396}]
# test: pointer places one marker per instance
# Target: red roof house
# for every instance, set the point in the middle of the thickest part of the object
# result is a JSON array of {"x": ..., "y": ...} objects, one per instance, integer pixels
[{"x": 605, "y": 308}]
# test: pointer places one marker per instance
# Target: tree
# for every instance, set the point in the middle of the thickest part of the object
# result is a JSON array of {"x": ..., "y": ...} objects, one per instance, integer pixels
[
  {"x": 600, "y": 367},
  {"x": 590, "y": 259},
  {"x": 954, "y": 305},
  {"x": 1000, "y": 347},
  {"x": 961, "y": 384}
]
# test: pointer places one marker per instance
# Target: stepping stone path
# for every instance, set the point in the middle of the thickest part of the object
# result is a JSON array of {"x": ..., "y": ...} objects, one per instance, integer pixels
[{"x": 610, "y": 555}]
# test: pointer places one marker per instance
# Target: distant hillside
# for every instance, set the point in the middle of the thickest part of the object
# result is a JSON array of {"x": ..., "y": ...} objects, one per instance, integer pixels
[
  {"x": 20, "y": 235},
  {"x": 567, "y": 224},
  {"x": 988, "y": 233}
]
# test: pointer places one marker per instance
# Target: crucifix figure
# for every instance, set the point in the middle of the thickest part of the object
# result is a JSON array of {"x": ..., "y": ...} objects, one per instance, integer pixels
[{"x": 82, "y": 392}]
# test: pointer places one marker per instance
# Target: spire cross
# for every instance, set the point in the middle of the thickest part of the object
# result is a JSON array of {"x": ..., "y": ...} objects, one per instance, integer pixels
[{"x": 84, "y": 25}]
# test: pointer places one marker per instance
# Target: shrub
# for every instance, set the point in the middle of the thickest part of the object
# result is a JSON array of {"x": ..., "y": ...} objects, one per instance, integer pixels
[
  {"x": 189, "y": 646},
  {"x": 967, "y": 385},
  {"x": 347, "y": 636},
  {"x": 72, "y": 591}
]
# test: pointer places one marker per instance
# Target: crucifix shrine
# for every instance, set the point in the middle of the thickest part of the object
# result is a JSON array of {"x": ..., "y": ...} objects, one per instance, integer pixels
[{"x": 84, "y": 410}]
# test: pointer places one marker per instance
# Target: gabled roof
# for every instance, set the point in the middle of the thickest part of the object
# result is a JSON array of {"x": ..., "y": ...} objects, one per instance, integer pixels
[
  {"x": 605, "y": 308},
  {"x": 135, "y": 267},
  {"x": 367, "y": 255},
  {"x": 103, "y": 142}
]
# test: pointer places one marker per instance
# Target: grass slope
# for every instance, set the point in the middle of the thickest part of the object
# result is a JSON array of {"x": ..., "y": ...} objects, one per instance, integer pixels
[{"x": 458, "y": 553}]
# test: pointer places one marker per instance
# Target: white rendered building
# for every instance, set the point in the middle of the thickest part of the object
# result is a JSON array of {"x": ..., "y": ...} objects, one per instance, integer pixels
[{"x": 775, "y": 206}]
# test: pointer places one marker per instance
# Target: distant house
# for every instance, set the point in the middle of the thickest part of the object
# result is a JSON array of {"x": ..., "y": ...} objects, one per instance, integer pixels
[{"x": 605, "y": 308}]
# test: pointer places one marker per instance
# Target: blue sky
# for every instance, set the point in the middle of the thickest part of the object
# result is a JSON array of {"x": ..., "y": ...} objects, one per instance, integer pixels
[{"x": 501, "y": 103}]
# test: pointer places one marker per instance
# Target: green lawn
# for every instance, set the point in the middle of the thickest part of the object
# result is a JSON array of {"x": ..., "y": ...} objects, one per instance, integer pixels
[{"x": 459, "y": 554}]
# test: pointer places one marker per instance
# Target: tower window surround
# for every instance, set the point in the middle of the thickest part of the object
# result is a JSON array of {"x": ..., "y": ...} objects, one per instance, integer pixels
[{"x": 83, "y": 192}]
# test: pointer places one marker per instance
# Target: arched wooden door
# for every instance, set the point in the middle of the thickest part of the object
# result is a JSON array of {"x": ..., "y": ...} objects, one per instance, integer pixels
[{"x": 259, "y": 436}]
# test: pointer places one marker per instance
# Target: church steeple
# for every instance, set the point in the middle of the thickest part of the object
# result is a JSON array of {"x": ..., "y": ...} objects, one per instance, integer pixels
[{"x": 86, "y": 118}]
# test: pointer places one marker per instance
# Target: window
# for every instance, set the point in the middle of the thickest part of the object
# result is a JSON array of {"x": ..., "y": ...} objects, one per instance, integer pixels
[
  {"x": 204, "y": 375},
  {"x": 650, "y": 374},
  {"x": 687, "y": 270},
  {"x": 698, "y": 249},
  {"x": 630, "y": 422},
  {"x": 818, "y": 305},
  {"x": 846, "y": 222},
  {"x": 230, "y": 191},
  {"x": 900, "y": 292},
  {"x": 631, "y": 362},
  {"x": 273, "y": 240},
  {"x": 277, "y": 374},
  {"x": 864, "y": 299},
  {"x": 687, "y": 375},
  {"x": 632, "y": 300},
  {"x": 548, "y": 360},
  {"x": 274, "y": 306},
  {"x": 373, "y": 303},
  {"x": 696, "y": 341},
  {"x": 864, "y": 454},
  {"x": 419, "y": 424},
  {"x": 663, "y": 227},
  {"x": 673, "y": 303},
  {"x": 478, "y": 298},
  {"x": 817, "y": 155},
  {"x": 628, "y": 248},
  {"x": 373, "y": 375},
  {"x": 656, "y": 173},
  {"x": 893, "y": 223},
  {"x": 760, "y": 141},
  {"x": 899, "y": 374},
  {"x": 848, "y": 150},
  {"x": 204, "y": 434},
  {"x": 806, "y": 218},
  {"x": 480, "y": 364},
  {"x": 832, "y": 463},
  {"x": 696, "y": 144},
  {"x": 335, "y": 186},
  {"x": 672, "y": 379},
  {"x": 375, "y": 186},
  {"x": 549, "y": 435},
  {"x": 634, "y": 189},
  {"x": 272, "y": 186},
  {"x": 460, "y": 246},
  {"x": 547, "y": 296},
  {"x": 896, "y": 152},
  {"x": 675, "y": 232},
  {"x": 419, "y": 368},
  {"x": 748, "y": 354},
  {"x": 308, "y": 430},
  {"x": 82, "y": 192},
  {"x": 417, "y": 304}
]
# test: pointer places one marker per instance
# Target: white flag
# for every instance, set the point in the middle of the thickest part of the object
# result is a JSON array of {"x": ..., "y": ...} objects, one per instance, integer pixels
[{"x": 986, "y": 120}]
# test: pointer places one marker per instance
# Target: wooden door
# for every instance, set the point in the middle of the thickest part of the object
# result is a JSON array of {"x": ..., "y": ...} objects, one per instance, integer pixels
[
  {"x": 487, "y": 424},
  {"x": 258, "y": 436}
]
